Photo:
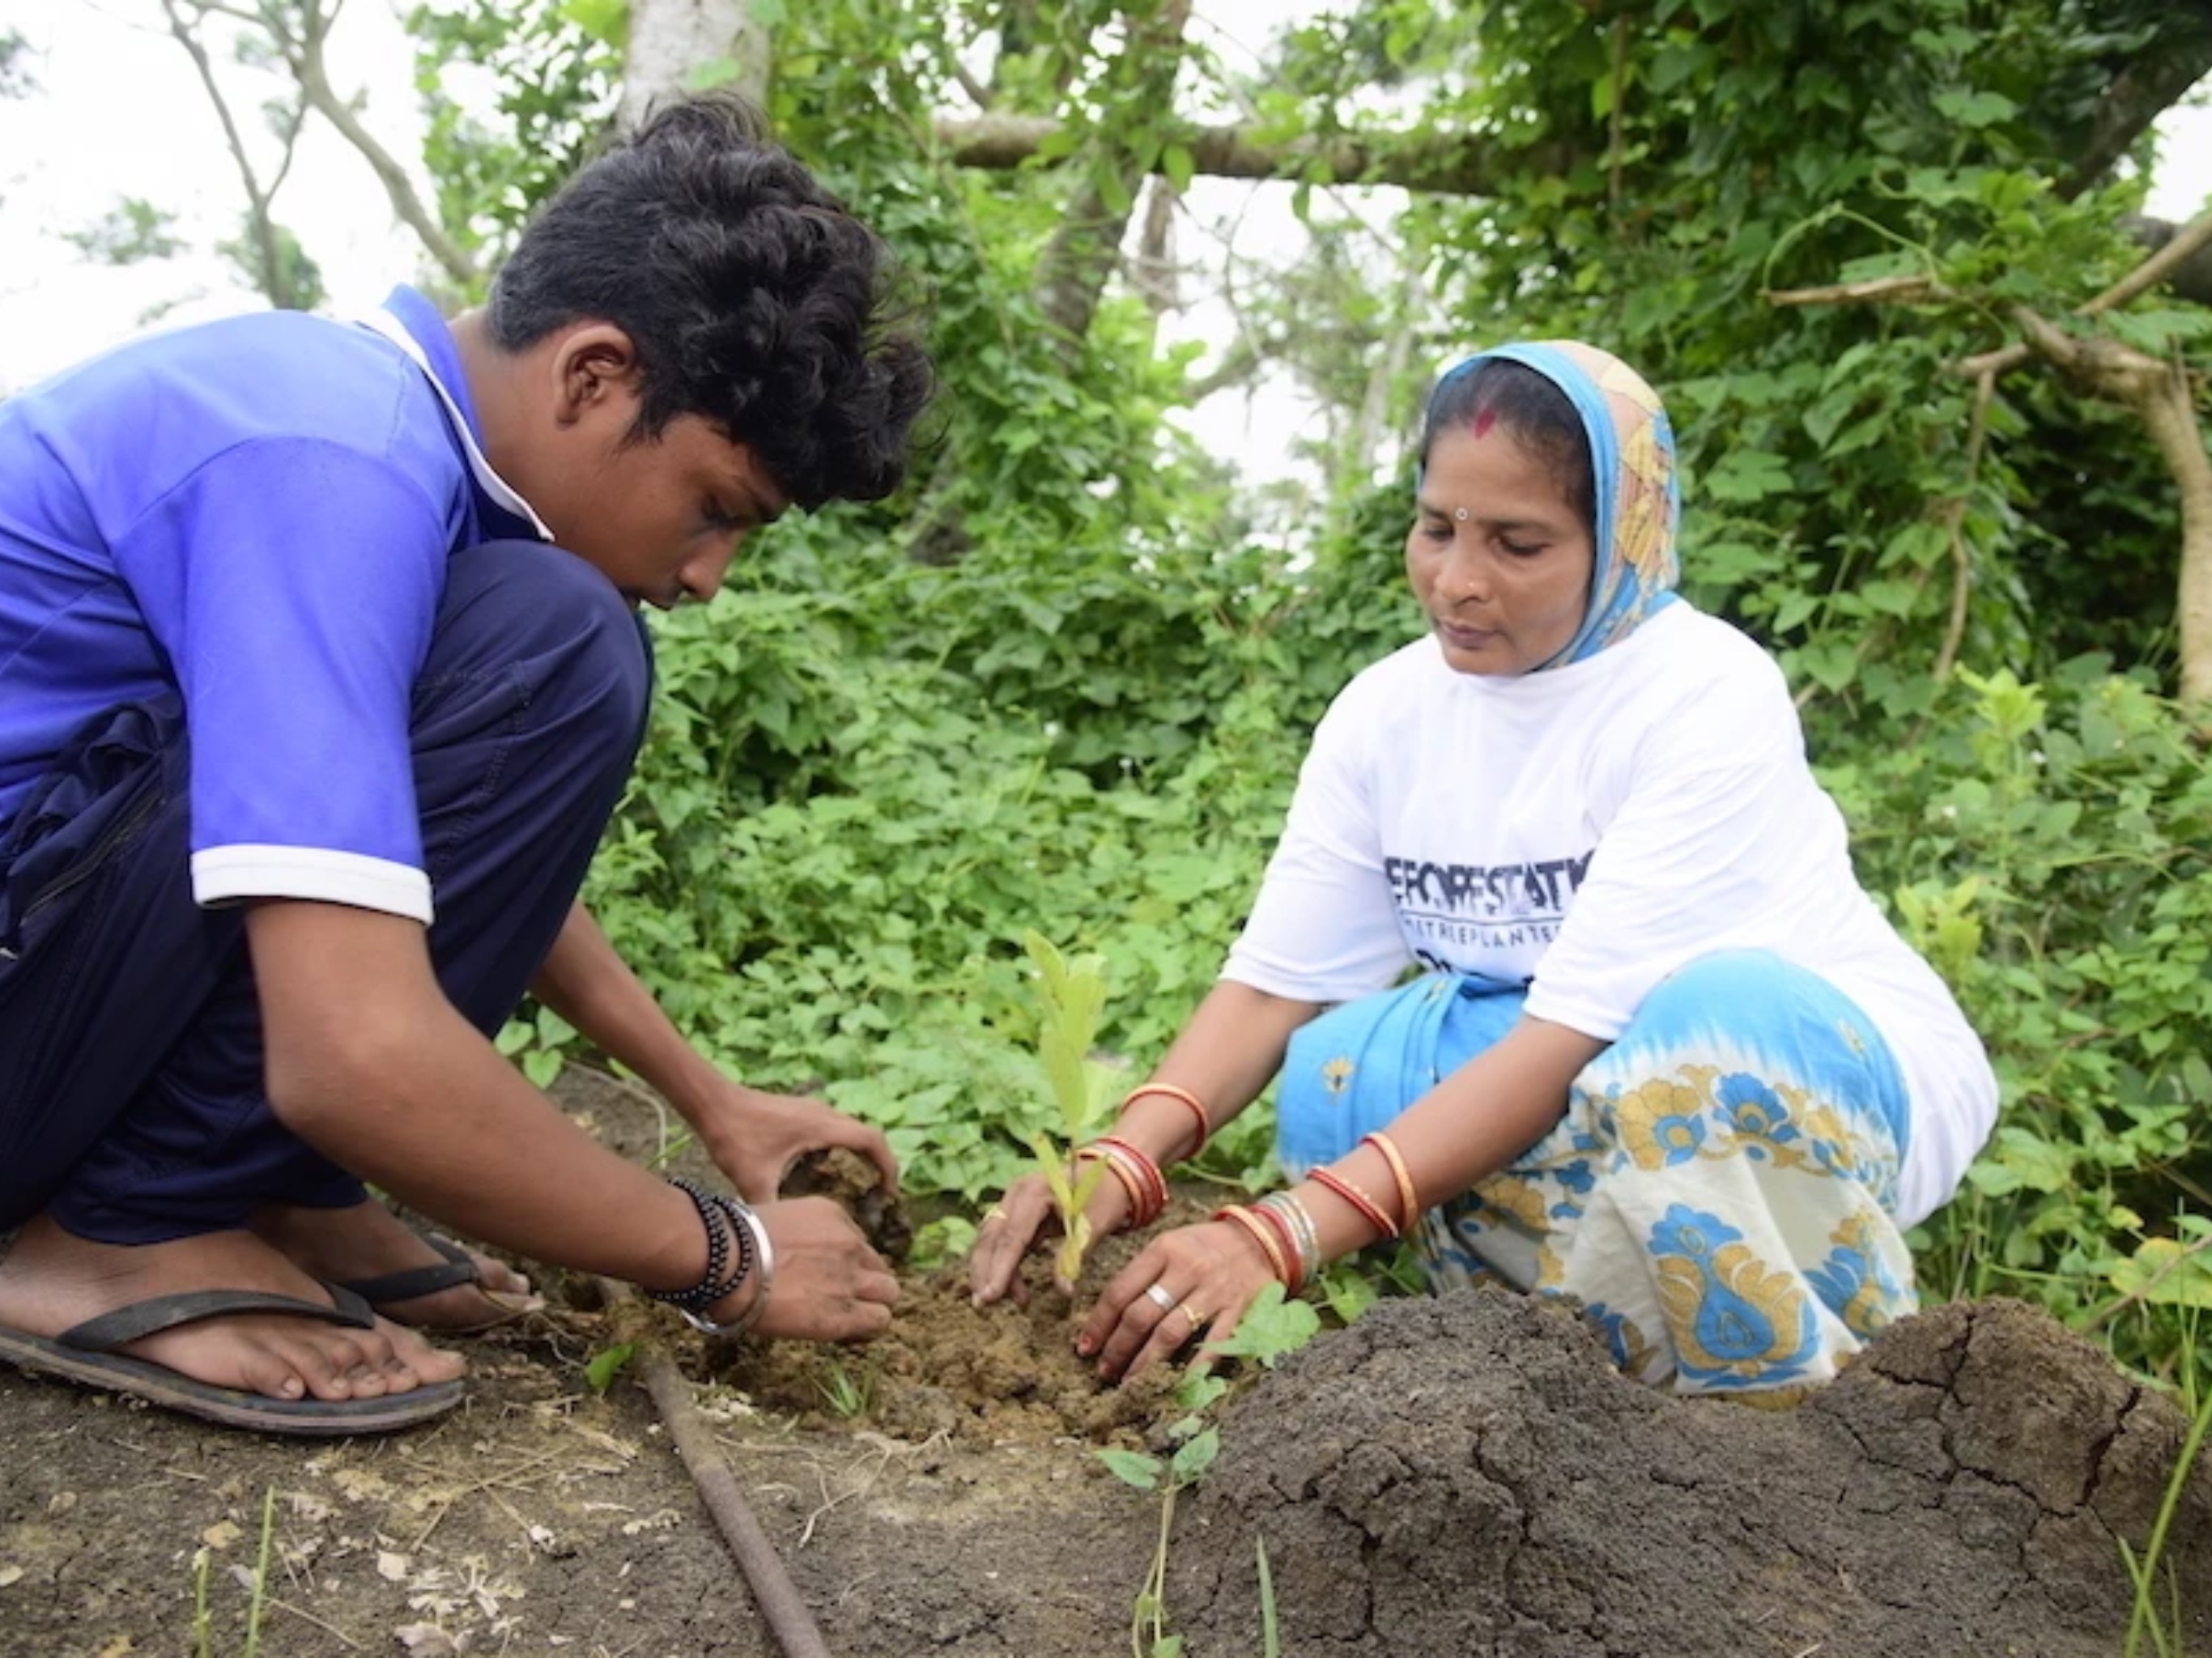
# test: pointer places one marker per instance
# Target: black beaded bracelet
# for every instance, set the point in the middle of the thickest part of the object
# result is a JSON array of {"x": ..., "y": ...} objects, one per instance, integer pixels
[{"x": 721, "y": 1216}]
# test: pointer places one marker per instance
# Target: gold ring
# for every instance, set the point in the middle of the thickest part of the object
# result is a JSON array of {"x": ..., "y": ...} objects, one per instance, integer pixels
[
  {"x": 1197, "y": 1319},
  {"x": 994, "y": 1214}
]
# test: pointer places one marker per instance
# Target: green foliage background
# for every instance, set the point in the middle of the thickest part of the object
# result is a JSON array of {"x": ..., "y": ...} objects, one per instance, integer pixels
[{"x": 1083, "y": 709}]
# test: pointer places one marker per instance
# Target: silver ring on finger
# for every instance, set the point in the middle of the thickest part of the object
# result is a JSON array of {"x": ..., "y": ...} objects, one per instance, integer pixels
[{"x": 1161, "y": 1296}]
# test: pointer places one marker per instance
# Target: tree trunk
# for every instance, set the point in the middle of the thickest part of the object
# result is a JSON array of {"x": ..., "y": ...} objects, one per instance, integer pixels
[
  {"x": 2173, "y": 61},
  {"x": 1082, "y": 252},
  {"x": 675, "y": 44},
  {"x": 2169, "y": 410}
]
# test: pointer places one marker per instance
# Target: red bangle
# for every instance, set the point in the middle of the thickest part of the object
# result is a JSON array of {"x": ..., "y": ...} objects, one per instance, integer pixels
[
  {"x": 1260, "y": 1235},
  {"x": 1143, "y": 1166},
  {"x": 1131, "y": 1186},
  {"x": 1187, "y": 1097},
  {"x": 1139, "y": 1176},
  {"x": 1369, "y": 1209},
  {"x": 1293, "y": 1257}
]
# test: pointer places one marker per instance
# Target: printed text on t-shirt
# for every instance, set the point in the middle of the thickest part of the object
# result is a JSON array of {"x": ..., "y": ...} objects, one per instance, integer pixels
[{"x": 1500, "y": 905}]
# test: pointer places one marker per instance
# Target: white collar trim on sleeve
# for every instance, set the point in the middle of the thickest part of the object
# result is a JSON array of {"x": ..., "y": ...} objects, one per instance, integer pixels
[{"x": 502, "y": 493}]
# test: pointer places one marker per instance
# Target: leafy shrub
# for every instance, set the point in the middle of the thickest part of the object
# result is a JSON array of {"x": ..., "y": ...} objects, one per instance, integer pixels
[{"x": 2050, "y": 848}]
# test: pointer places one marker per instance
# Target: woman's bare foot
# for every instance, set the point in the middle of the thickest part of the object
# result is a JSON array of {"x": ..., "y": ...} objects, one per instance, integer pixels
[
  {"x": 51, "y": 1280},
  {"x": 366, "y": 1240}
]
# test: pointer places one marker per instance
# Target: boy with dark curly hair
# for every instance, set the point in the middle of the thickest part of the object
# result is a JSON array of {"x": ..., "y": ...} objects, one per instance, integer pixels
[{"x": 320, "y": 674}]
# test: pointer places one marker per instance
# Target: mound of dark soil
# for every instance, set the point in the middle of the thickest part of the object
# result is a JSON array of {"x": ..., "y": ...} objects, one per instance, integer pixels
[{"x": 1468, "y": 1475}]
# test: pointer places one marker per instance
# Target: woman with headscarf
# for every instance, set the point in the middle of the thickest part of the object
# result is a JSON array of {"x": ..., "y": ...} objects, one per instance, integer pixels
[{"x": 1661, "y": 1054}]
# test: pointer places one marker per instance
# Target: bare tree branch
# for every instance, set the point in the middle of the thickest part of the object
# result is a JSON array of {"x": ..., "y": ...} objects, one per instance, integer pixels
[
  {"x": 1884, "y": 290},
  {"x": 2192, "y": 237},
  {"x": 983, "y": 95},
  {"x": 1954, "y": 522},
  {"x": 1448, "y": 163},
  {"x": 1152, "y": 269},
  {"x": 305, "y": 54},
  {"x": 2196, "y": 234},
  {"x": 2160, "y": 394},
  {"x": 2192, "y": 279},
  {"x": 269, "y": 253}
]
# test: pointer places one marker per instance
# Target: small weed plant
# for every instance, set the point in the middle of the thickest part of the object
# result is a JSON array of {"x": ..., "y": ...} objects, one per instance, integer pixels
[
  {"x": 1272, "y": 1327},
  {"x": 2155, "y": 1619},
  {"x": 203, "y": 1565},
  {"x": 847, "y": 1394}
]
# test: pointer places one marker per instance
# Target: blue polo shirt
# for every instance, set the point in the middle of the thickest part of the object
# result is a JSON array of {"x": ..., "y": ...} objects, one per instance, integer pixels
[{"x": 256, "y": 513}]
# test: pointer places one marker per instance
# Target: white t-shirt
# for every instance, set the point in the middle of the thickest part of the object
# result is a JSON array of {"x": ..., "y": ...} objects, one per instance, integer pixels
[{"x": 1586, "y": 830}]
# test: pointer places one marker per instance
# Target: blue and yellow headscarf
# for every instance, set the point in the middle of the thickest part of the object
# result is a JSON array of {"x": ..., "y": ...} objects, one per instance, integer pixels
[{"x": 1633, "y": 575}]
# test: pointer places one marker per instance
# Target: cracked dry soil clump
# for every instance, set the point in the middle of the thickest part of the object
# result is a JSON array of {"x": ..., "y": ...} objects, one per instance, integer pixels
[{"x": 1467, "y": 1475}]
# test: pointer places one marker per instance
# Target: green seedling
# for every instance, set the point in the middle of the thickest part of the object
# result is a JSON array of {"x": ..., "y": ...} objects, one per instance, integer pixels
[
  {"x": 202, "y": 1623},
  {"x": 1148, "y": 1620},
  {"x": 261, "y": 1573},
  {"x": 203, "y": 1562},
  {"x": 846, "y": 1394},
  {"x": 1271, "y": 1638},
  {"x": 1070, "y": 995},
  {"x": 604, "y": 1366},
  {"x": 1272, "y": 1327}
]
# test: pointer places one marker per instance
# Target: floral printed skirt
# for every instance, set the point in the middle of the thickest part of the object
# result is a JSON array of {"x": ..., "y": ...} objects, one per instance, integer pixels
[{"x": 1718, "y": 1195}]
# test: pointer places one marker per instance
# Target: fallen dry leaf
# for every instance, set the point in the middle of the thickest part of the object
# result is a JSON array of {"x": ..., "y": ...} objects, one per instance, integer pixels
[
  {"x": 220, "y": 1535},
  {"x": 428, "y": 1641},
  {"x": 360, "y": 1485}
]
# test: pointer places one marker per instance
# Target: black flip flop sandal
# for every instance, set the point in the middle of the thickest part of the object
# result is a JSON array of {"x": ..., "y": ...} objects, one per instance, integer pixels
[
  {"x": 86, "y": 1354},
  {"x": 458, "y": 1268}
]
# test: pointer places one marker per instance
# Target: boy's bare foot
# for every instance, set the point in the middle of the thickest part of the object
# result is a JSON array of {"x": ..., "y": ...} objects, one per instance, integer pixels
[
  {"x": 51, "y": 1281},
  {"x": 366, "y": 1240}
]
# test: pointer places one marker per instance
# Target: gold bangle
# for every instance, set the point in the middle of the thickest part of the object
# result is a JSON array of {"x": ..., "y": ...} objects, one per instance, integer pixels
[
  {"x": 1184, "y": 1095},
  {"x": 1409, "y": 1203},
  {"x": 1262, "y": 1235}
]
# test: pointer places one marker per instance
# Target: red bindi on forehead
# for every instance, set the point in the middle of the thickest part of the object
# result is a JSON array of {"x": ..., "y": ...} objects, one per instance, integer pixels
[{"x": 1483, "y": 420}]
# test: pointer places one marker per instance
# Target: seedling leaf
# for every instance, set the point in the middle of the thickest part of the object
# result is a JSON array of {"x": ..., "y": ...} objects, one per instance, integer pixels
[
  {"x": 1195, "y": 1457},
  {"x": 1134, "y": 1469},
  {"x": 604, "y": 1366}
]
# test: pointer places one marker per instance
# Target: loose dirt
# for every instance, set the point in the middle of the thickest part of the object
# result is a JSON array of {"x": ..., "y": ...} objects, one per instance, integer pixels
[{"x": 1454, "y": 1476}]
